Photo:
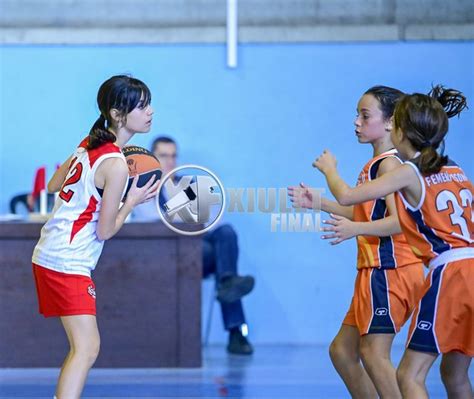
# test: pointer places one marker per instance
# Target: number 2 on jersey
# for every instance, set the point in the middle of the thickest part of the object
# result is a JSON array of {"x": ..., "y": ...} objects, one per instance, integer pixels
[{"x": 66, "y": 195}]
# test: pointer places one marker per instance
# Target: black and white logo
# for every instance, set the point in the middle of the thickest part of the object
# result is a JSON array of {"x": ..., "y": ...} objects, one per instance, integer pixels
[
  {"x": 381, "y": 312},
  {"x": 91, "y": 291},
  {"x": 190, "y": 200},
  {"x": 424, "y": 325}
]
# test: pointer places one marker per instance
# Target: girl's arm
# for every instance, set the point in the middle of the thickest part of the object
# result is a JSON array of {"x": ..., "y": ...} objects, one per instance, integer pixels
[
  {"x": 56, "y": 182},
  {"x": 342, "y": 229},
  {"x": 388, "y": 225},
  {"x": 337, "y": 209},
  {"x": 112, "y": 215},
  {"x": 402, "y": 177},
  {"x": 302, "y": 197}
]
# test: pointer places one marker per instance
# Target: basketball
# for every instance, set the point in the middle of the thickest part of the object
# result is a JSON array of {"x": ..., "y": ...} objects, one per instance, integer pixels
[{"x": 143, "y": 163}]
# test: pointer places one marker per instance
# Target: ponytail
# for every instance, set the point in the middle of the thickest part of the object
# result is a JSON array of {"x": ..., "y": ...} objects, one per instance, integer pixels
[
  {"x": 99, "y": 134},
  {"x": 424, "y": 121},
  {"x": 453, "y": 101},
  {"x": 430, "y": 161}
]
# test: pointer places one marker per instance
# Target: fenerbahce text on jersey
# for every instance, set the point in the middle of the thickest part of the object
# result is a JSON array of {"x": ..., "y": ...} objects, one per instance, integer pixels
[
  {"x": 442, "y": 221},
  {"x": 381, "y": 252},
  {"x": 68, "y": 242}
]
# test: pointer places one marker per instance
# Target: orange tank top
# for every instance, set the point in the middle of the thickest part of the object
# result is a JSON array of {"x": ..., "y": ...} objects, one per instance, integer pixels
[
  {"x": 380, "y": 252},
  {"x": 443, "y": 219}
]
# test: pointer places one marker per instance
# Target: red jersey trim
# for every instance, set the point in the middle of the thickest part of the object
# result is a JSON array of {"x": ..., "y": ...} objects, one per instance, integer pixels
[
  {"x": 84, "y": 218},
  {"x": 96, "y": 153}
]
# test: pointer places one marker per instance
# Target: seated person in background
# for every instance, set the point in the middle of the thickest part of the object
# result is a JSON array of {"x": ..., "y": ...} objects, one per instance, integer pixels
[{"x": 220, "y": 253}]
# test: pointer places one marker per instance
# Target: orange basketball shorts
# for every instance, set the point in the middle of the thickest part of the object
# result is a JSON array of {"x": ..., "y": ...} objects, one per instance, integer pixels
[
  {"x": 383, "y": 300},
  {"x": 443, "y": 320}
]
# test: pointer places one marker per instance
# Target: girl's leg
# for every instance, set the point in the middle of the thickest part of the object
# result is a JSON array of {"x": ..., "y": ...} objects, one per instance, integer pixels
[
  {"x": 412, "y": 372},
  {"x": 84, "y": 341},
  {"x": 375, "y": 353},
  {"x": 454, "y": 373},
  {"x": 345, "y": 356}
]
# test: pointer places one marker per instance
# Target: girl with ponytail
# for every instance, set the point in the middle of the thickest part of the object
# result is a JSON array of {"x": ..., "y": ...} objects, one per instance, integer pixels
[
  {"x": 100, "y": 134},
  {"x": 387, "y": 269},
  {"x": 71, "y": 241},
  {"x": 426, "y": 131},
  {"x": 434, "y": 204}
]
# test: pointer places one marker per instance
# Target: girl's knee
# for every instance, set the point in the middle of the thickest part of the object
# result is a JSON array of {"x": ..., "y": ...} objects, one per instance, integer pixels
[
  {"x": 366, "y": 352},
  {"x": 87, "y": 352},
  {"x": 373, "y": 354},
  {"x": 338, "y": 351},
  {"x": 92, "y": 353},
  {"x": 407, "y": 376},
  {"x": 452, "y": 376},
  {"x": 404, "y": 375},
  {"x": 94, "y": 350}
]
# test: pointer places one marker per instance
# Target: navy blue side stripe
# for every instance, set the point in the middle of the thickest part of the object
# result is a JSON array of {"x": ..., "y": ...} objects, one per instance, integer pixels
[
  {"x": 423, "y": 339},
  {"x": 439, "y": 246},
  {"x": 381, "y": 322},
  {"x": 386, "y": 249},
  {"x": 374, "y": 168}
]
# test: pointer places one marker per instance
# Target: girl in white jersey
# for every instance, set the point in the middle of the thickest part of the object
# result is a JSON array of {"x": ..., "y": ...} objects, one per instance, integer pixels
[{"x": 88, "y": 211}]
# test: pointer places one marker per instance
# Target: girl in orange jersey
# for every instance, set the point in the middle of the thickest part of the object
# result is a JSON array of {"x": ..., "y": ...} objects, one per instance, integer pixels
[
  {"x": 389, "y": 277},
  {"x": 434, "y": 203},
  {"x": 91, "y": 185}
]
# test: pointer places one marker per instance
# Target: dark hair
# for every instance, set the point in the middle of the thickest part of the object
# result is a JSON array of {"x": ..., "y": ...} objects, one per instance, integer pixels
[
  {"x": 424, "y": 122},
  {"x": 387, "y": 98},
  {"x": 162, "y": 139},
  {"x": 122, "y": 93}
]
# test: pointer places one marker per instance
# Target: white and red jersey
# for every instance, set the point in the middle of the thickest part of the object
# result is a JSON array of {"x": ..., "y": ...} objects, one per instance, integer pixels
[{"x": 68, "y": 242}]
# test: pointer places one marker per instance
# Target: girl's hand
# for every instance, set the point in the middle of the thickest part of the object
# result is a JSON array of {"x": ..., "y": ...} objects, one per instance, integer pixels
[
  {"x": 137, "y": 195},
  {"x": 341, "y": 228},
  {"x": 325, "y": 162},
  {"x": 301, "y": 196}
]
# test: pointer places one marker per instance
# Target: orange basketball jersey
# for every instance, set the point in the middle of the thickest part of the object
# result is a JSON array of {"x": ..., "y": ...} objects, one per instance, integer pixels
[
  {"x": 380, "y": 252},
  {"x": 443, "y": 219}
]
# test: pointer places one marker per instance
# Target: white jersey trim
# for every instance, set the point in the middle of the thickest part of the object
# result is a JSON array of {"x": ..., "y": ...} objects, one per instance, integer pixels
[{"x": 423, "y": 190}]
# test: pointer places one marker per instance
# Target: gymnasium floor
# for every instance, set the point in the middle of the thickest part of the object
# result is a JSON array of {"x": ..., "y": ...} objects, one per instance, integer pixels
[{"x": 273, "y": 372}]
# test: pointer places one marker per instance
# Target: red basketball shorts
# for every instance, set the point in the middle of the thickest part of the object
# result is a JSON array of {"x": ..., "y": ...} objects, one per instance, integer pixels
[{"x": 61, "y": 294}]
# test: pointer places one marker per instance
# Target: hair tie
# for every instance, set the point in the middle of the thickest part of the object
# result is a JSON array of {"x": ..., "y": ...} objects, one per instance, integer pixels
[
  {"x": 426, "y": 144},
  {"x": 441, "y": 148},
  {"x": 104, "y": 120}
]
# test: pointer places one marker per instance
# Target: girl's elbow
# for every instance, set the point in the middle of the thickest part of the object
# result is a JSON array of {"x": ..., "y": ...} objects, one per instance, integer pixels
[
  {"x": 52, "y": 188},
  {"x": 345, "y": 200},
  {"x": 103, "y": 237},
  {"x": 103, "y": 234},
  {"x": 346, "y": 197},
  {"x": 342, "y": 201}
]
